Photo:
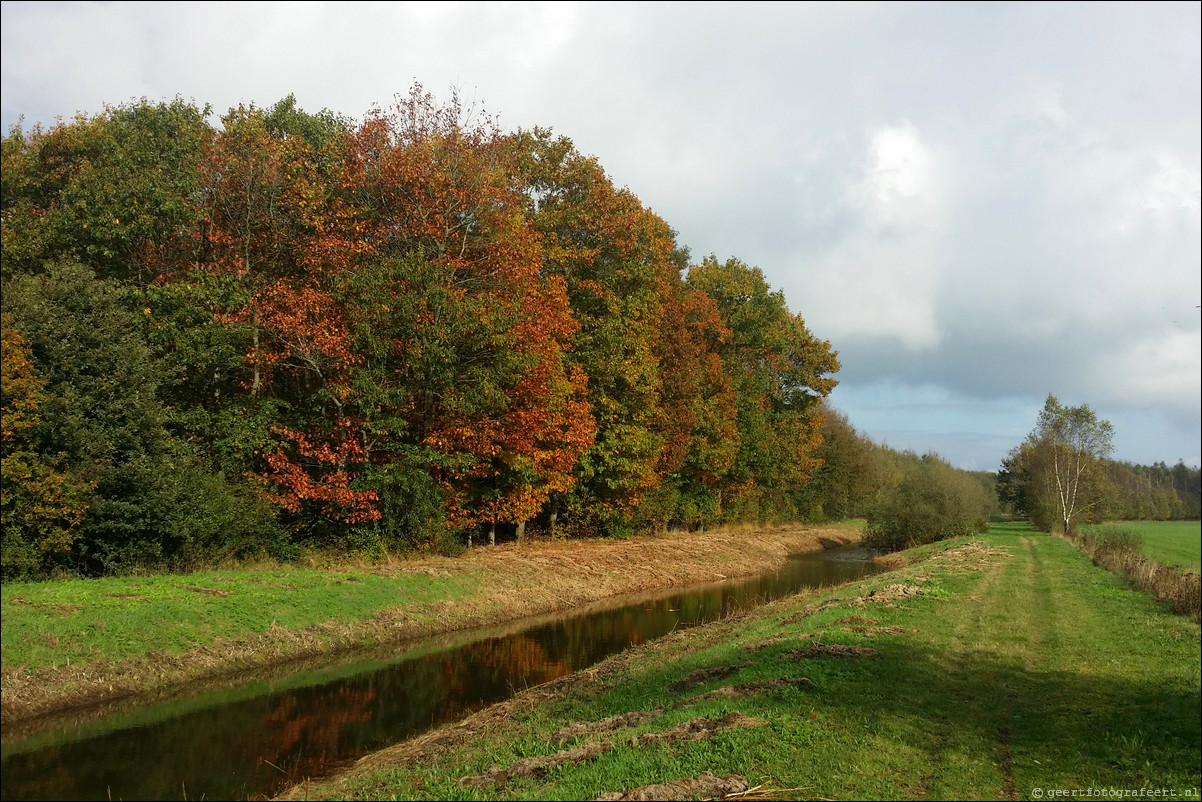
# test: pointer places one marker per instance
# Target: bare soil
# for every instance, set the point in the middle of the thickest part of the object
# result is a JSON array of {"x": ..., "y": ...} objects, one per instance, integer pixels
[
  {"x": 536, "y": 766},
  {"x": 699, "y": 728},
  {"x": 576, "y": 729},
  {"x": 745, "y": 689}
]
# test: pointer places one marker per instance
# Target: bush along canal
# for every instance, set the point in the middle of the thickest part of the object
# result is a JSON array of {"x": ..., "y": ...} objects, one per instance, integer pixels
[{"x": 258, "y": 739}]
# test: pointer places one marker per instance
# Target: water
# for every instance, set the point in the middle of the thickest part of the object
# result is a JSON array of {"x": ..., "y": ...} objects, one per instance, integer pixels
[{"x": 258, "y": 737}]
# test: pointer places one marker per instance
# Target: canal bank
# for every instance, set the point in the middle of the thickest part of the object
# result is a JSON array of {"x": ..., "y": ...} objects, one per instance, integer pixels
[
  {"x": 410, "y": 599},
  {"x": 1000, "y": 667},
  {"x": 251, "y": 740}
]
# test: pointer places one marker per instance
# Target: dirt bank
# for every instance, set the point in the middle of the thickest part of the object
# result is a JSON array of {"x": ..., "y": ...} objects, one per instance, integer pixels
[{"x": 514, "y": 581}]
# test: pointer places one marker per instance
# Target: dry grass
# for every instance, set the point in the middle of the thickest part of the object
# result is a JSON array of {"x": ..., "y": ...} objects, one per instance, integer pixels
[{"x": 515, "y": 581}]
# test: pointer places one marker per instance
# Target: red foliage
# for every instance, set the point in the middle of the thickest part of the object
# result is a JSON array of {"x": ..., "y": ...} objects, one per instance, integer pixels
[{"x": 314, "y": 470}]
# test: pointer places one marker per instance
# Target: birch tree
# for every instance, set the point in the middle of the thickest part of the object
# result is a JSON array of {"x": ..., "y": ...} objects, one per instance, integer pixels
[{"x": 1073, "y": 442}]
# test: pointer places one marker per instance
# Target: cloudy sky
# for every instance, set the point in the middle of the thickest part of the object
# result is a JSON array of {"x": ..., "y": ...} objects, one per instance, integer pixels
[{"x": 977, "y": 204}]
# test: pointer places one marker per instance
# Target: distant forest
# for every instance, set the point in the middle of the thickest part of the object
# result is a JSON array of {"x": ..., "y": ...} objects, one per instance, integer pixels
[{"x": 414, "y": 332}]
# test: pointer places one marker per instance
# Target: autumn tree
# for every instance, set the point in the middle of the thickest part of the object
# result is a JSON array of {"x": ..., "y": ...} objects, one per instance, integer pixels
[
  {"x": 618, "y": 263},
  {"x": 779, "y": 372},
  {"x": 696, "y": 418},
  {"x": 464, "y": 334}
]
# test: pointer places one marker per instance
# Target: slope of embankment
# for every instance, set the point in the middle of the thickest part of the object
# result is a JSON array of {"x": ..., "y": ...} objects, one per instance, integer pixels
[{"x": 79, "y": 642}]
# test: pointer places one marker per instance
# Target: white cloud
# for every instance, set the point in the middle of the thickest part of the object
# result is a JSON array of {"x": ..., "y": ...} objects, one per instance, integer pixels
[{"x": 953, "y": 200}]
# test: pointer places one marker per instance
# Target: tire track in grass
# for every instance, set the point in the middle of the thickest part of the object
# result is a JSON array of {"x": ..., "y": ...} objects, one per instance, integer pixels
[
  {"x": 995, "y": 644},
  {"x": 966, "y": 625}
]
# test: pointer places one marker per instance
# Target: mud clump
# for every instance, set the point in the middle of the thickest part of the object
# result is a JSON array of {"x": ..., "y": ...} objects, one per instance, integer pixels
[
  {"x": 210, "y": 591},
  {"x": 700, "y": 728},
  {"x": 833, "y": 650},
  {"x": 536, "y": 766},
  {"x": 61, "y": 608},
  {"x": 694, "y": 730},
  {"x": 269, "y": 583},
  {"x": 705, "y": 786},
  {"x": 892, "y": 593},
  {"x": 745, "y": 689},
  {"x": 704, "y": 675},
  {"x": 872, "y": 632},
  {"x": 575, "y": 729}
]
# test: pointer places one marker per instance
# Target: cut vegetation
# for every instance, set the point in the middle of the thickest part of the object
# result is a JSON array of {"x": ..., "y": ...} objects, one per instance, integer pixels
[{"x": 1018, "y": 666}]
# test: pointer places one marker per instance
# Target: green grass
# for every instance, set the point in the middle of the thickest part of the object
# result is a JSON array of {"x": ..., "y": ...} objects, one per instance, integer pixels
[
  {"x": 49, "y": 623},
  {"x": 1021, "y": 666},
  {"x": 1177, "y": 543}
]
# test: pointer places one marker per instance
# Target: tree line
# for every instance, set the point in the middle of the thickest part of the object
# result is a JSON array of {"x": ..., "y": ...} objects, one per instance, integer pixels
[
  {"x": 411, "y": 332},
  {"x": 407, "y": 332}
]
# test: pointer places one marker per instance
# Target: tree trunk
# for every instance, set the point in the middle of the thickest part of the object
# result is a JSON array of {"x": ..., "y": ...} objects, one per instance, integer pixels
[
  {"x": 492, "y": 533},
  {"x": 257, "y": 382},
  {"x": 521, "y": 531},
  {"x": 554, "y": 512}
]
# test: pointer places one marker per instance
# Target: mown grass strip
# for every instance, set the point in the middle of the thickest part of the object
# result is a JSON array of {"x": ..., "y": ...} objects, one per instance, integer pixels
[{"x": 1017, "y": 666}]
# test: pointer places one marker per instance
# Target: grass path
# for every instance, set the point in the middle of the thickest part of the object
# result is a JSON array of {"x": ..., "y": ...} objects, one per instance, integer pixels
[{"x": 1004, "y": 668}]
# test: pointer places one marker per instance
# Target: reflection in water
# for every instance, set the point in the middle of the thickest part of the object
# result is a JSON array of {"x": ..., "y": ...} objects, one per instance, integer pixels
[{"x": 262, "y": 743}]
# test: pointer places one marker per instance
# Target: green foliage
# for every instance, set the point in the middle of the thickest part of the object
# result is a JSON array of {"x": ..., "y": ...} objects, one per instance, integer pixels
[
  {"x": 148, "y": 501},
  {"x": 116, "y": 192},
  {"x": 396, "y": 331},
  {"x": 40, "y": 508},
  {"x": 1056, "y": 476},
  {"x": 1150, "y": 492},
  {"x": 779, "y": 373},
  {"x": 413, "y": 509},
  {"x": 932, "y": 501}
]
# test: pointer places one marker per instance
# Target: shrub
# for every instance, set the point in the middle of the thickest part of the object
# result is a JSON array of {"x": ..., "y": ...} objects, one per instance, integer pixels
[{"x": 932, "y": 501}]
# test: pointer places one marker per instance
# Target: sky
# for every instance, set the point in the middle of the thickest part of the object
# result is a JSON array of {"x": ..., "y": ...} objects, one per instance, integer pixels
[{"x": 977, "y": 204}]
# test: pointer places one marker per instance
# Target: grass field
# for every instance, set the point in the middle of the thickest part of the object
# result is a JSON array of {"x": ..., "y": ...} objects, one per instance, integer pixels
[
  {"x": 1177, "y": 543},
  {"x": 1003, "y": 667}
]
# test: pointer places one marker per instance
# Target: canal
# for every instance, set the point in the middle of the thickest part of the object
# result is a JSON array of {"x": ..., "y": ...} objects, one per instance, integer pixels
[{"x": 258, "y": 737}]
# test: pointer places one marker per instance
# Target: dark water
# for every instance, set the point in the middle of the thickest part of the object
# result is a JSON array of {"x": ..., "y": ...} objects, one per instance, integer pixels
[{"x": 257, "y": 738}]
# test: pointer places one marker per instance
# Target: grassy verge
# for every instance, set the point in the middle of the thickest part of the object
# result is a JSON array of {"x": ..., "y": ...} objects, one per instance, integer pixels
[
  {"x": 996, "y": 667},
  {"x": 75, "y": 642},
  {"x": 1122, "y": 550},
  {"x": 1175, "y": 543}
]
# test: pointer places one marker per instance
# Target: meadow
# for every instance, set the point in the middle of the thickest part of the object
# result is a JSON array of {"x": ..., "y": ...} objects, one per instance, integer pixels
[{"x": 1176, "y": 543}]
